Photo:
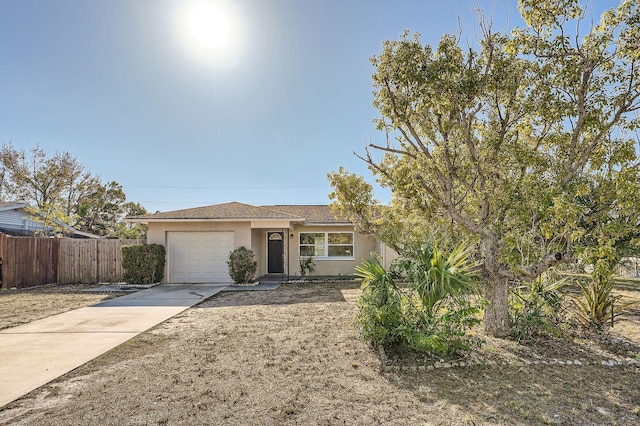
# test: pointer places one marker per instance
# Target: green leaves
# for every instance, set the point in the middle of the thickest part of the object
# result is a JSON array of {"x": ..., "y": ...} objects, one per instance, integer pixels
[
  {"x": 242, "y": 265},
  {"x": 437, "y": 278},
  {"x": 432, "y": 313},
  {"x": 60, "y": 189},
  {"x": 143, "y": 264},
  {"x": 524, "y": 142},
  {"x": 537, "y": 308},
  {"x": 541, "y": 14},
  {"x": 597, "y": 309},
  {"x": 380, "y": 305}
]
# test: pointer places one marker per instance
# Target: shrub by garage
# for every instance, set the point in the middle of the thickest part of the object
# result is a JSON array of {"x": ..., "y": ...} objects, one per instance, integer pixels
[{"x": 143, "y": 264}]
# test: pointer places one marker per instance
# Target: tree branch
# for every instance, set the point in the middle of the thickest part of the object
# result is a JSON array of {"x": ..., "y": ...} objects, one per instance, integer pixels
[{"x": 546, "y": 262}]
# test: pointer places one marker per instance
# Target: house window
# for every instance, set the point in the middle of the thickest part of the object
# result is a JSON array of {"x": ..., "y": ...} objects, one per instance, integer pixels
[{"x": 326, "y": 244}]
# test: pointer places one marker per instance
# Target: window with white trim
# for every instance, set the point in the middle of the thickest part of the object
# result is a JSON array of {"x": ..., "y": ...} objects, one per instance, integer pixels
[{"x": 326, "y": 244}]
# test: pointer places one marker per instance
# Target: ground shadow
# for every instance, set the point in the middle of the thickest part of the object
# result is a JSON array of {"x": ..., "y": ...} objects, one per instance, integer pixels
[
  {"x": 530, "y": 395},
  {"x": 530, "y": 384}
]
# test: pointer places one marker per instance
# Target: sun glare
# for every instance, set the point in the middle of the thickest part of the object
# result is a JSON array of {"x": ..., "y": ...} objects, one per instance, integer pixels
[{"x": 210, "y": 29}]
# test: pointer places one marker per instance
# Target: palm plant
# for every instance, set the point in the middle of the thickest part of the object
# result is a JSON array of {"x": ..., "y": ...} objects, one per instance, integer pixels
[
  {"x": 432, "y": 314},
  {"x": 375, "y": 280},
  {"x": 380, "y": 306},
  {"x": 441, "y": 278},
  {"x": 307, "y": 266},
  {"x": 537, "y": 308},
  {"x": 598, "y": 307}
]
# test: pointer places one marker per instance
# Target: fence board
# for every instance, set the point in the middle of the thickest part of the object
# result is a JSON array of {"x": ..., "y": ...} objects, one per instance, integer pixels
[
  {"x": 3, "y": 256},
  {"x": 92, "y": 261},
  {"x": 29, "y": 261},
  {"x": 78, "y": 261},
  {"x": 110, "y": 259}
]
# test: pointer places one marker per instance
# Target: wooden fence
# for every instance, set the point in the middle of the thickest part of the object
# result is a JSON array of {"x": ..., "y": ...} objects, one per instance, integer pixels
[
  {"x": 91, "y": 261},
  {"x": 31, "y": 261},
  {"x": 28, "y": 261}
]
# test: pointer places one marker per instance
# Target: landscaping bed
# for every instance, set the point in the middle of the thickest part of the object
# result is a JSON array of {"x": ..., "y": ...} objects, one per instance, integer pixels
[{"x": 294, "y": 356}]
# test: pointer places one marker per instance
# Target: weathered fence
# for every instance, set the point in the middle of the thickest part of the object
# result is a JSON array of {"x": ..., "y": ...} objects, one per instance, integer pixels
[
  {"x": 91, "y": 261},
  {"x": 629, "y": 267},
  {"x": 31, "y": 261},
  {"x": 28, "y": 261}
]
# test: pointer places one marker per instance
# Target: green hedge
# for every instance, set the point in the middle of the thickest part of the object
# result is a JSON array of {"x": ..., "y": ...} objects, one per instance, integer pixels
[
  {"x": 143, "y": 264},
  {"x": 242, "y": 265}
]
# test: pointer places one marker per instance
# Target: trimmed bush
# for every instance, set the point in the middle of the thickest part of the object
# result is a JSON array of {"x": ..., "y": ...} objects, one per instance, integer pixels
[
  {"x": 242, "y": 265},
  {"x": 143, "y": 264}
]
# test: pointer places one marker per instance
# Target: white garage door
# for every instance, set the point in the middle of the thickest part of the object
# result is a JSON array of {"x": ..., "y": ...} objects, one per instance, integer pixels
[{"x": 199, "y": 257}]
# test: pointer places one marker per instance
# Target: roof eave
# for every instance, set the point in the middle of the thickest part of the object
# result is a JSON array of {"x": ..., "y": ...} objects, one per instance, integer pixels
[
  {"x": 14, "y": 206},
  {"x": 328, "y": 224},
  {"x": 236, "y": 219}
]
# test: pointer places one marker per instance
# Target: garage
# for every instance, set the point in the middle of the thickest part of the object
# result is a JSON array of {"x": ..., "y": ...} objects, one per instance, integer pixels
[{"x": 199, "y": 257}]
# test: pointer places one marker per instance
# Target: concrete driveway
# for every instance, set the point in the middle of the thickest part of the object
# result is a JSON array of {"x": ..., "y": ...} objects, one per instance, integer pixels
[{"x": 33, "y": 354}]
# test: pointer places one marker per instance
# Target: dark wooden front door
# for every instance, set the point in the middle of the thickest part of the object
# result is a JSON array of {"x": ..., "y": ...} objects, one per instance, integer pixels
[{"x": 275, "y": 253}]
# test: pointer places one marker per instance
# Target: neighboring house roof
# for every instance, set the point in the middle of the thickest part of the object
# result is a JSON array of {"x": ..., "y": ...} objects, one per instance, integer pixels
[
  {"x": 12, "y": 206},
  {"x": 240, "y": 211},
  {"x": 15, "y": 220}
]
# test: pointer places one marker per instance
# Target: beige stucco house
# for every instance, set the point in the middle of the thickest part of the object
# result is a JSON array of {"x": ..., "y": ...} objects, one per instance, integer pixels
[{"x": 198, "y": 240}]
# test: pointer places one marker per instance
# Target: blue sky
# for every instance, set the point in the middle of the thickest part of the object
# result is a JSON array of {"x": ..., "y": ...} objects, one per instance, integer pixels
[{"x": 115, "y": 84}]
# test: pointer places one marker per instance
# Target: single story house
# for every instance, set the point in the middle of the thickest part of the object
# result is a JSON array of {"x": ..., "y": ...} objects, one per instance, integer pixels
[
  {"x": 199, "y": 240},
  {"x": 16, "y": 220}
]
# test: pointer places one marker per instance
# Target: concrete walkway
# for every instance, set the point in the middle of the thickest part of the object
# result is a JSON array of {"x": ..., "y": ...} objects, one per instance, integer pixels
[{"x": 33, "y": 354}]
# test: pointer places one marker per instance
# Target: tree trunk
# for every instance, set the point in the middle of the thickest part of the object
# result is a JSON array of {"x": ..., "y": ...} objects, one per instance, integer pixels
[{"x": 496, "y": 316}]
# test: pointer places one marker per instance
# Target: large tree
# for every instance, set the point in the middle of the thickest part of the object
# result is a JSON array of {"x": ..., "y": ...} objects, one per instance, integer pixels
[
  {"x": 509, "y": 139},
  {"x": 103, "y": 210},
  {"x": 60, "y": 190},
  {"x": 51, "y": 185}
]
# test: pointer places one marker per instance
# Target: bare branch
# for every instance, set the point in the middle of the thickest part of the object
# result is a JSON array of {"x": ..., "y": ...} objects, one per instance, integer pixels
[{"x": 548, "y": 261}]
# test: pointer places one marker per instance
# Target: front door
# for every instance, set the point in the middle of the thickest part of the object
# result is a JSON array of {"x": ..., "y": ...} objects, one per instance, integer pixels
[{"x": 275, "y": 253}]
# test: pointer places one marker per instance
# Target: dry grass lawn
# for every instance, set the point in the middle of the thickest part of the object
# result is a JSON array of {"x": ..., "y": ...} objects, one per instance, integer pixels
[
  {"x": 26, "y": 305},
  {"x": 294, "y": 357}
]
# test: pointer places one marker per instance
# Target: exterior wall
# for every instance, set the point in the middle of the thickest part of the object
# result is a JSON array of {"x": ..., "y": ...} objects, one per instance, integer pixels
[
  {"x": 256, "y": 240},
  {"x": 363, "y": 247},
  {"x": 13, "y": 219},
  {"x": 258, "y": 245},
  {"x": 387, "y": 254},
  {"x": 18, "y": 220},
  {"x": 157, "y": 232}
]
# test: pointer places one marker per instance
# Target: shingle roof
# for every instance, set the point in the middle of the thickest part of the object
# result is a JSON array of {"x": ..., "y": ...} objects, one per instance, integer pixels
[
  {"x": 312, "y": 214},
  {"x": 234, "y": 210},
  {"x": 14, "y": 205}
]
